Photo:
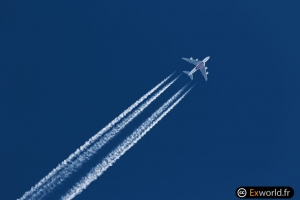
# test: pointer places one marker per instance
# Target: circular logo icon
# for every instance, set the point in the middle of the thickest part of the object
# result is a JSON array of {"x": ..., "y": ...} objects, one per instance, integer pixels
[{"x": 241, "y": 192}]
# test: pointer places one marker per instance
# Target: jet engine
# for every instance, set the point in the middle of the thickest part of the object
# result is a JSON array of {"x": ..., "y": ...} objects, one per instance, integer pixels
[
  {"x": 191, "y": 58},
  {"x": 197, "y": 59},
  {"x": 206, "y": 73},
  {"x": 206, "y": 67}
]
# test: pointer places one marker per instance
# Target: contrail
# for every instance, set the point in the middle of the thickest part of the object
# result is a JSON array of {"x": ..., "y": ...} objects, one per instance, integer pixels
[
  {"x": 88, "y": 153},
  {"x": 125, "y": 146},
  {"x": 84, "y": 156},
  {"x": 82, "y": 148}
]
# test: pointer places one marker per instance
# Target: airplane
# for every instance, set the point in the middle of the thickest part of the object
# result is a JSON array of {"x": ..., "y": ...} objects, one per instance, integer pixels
[{"x": 199, "y": 65}]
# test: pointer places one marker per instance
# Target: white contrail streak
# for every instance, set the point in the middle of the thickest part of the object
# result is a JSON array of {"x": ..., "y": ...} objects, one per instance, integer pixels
[
  {"x": 82, "y": 148},
  {"x": 88, "y": 153},
  {"x": 124, "y": 146}
]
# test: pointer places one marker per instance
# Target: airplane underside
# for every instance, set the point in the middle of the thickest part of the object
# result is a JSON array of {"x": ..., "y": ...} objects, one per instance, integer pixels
[{"x": 200, "y": 65}]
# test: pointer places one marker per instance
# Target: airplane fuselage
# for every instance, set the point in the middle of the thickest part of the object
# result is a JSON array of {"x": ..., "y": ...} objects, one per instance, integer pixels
[
  {"x": 202, "y": 63},
  {"x": 196, "y": 68}
]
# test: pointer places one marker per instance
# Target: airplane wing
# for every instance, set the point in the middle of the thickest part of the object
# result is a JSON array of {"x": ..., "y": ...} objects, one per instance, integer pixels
[
  {"x": 192, "y": 61},
  {"x": 203, "y": 71}
]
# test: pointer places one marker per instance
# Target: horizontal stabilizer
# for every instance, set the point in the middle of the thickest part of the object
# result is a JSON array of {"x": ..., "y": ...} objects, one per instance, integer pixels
[{"x": 191, "y": 76}]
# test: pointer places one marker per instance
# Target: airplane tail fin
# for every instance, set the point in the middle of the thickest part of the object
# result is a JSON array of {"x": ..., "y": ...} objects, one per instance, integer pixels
[{"x": 191, "y": 76}]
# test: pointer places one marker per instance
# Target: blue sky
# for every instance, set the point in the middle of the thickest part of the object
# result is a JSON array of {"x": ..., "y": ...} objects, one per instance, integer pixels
[{"x": 67, "y": 68}]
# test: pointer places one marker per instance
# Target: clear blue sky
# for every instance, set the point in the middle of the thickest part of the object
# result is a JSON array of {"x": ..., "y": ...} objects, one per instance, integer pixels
[{"x": 67, "y": 68}]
